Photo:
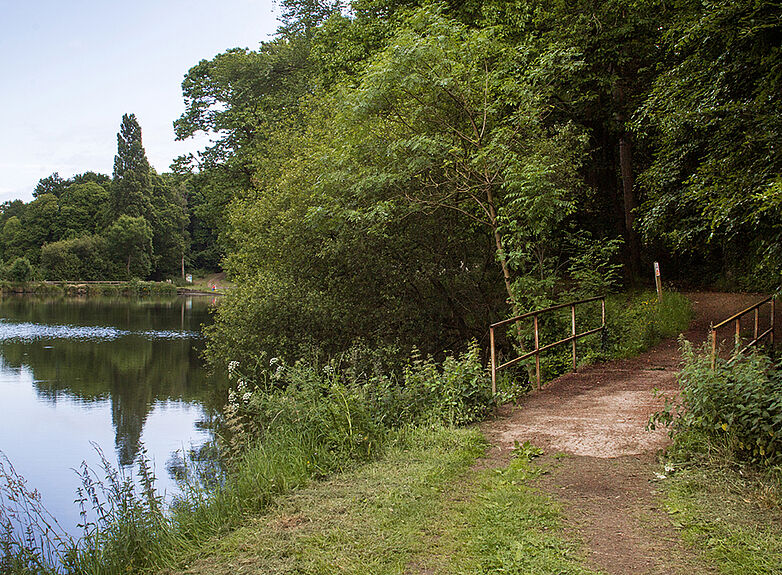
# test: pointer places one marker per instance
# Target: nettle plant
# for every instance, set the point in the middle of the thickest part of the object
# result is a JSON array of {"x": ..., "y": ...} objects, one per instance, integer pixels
[{"x": 736, "y": 405}]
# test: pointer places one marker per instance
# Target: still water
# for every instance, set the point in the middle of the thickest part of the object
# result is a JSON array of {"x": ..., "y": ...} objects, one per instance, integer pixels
[{"x": 77, "y": 375}]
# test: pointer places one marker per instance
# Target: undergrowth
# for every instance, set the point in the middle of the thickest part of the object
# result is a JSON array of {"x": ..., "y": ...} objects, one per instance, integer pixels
[
  {"x": 292, "y": 424},
  {"x": 733, "y": 410},
  {"x": 635, "y": 322},
  {"x": 723, "y": 486}
]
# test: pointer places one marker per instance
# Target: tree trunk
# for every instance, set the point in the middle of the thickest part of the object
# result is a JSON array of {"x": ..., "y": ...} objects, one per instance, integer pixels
[
  {"x": 500, "y": 251},
  {"x": 127, "y": 268},
  {"x": 630, "y": 203}
]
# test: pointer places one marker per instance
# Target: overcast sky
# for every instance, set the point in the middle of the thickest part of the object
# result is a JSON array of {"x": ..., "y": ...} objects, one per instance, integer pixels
[{"x": 69, "y": 69}]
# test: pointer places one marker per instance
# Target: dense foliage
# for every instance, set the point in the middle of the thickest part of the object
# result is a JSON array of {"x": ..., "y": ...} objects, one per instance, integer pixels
[
  {"x": 734, "y": 409},
  {"x": 407, "y": 172}
]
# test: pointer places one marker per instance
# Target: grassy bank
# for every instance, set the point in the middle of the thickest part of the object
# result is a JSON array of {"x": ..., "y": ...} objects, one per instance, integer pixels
[
  {"x": 731, "y": 515},
  {"x": 130, "y": 288},
  {"x": 422, "y": 508}
]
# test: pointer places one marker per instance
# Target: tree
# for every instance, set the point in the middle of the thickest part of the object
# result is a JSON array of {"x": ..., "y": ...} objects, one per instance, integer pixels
[
  {"x": 169, "y": 222},
  {"x": 131, "y": 187},
  {"x": 81, "y": 258},
  {"x": 40, "y": 224},
  {"x": 53, "y": 184},
  {"x": 130, "y": 242},
  {"x": 714, "y": 115},
  {"x": 84, "y": 209},
  {"x": 463, "y": 131},
  {"x": 19, "y": 270},
  {"x": 11, "y": 238}
]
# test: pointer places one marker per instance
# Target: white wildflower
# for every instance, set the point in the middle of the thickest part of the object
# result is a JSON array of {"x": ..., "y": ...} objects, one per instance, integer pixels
[{"x": 232, "y": 367}]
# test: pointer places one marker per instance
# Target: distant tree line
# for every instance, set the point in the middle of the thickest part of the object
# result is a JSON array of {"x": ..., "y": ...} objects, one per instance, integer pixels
[{"x": 135, "y": 224}]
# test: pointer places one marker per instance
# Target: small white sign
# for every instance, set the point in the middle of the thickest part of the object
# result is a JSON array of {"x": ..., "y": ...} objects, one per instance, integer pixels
[
  {"x": 656, "y": 269},
  {"x": 189, "y": 278}
]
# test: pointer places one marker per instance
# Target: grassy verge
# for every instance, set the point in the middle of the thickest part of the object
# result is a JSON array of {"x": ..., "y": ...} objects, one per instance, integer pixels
[
  {"x": 732, "y": 516},
  {"x": 421, "y": 508}
]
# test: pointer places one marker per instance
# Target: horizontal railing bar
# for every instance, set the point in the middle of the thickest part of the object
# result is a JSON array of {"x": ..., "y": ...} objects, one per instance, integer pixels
[
  {"x": 736, "y": 316},
  {"x": 552, "y": 308},
  {"x": 749, "y": 345},
  {"x": 511, "y": 362},
  {"x": 549, "y": 346}
]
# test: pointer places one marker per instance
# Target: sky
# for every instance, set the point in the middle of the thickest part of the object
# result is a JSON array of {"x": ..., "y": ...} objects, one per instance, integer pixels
[{"x": 69, "y": 70}]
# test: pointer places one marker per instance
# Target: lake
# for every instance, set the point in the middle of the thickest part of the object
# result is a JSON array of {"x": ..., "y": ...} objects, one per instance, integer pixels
[{"x": 81, "y": 375}]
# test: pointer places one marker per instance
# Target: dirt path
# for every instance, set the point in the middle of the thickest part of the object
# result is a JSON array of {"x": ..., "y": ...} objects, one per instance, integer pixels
[{"x": 591, "y": 425}]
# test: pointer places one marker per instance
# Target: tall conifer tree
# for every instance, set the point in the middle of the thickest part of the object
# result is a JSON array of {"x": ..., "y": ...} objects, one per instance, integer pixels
[{"x": 131, "y": 188}]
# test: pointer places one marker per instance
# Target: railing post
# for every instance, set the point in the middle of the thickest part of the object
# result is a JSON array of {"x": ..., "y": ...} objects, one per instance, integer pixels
[
  {"x": 771, "y": 335},
  {"x": 738, "y": 332},
  {"x": 603, "y": 311},
  {"x": 573, "y": 332},
  {"x": 537, "y": 350},
  {"x": 493, "y": 362},
  {"x": 713, "y": 347},
  {"x": 757, "y": 311}
]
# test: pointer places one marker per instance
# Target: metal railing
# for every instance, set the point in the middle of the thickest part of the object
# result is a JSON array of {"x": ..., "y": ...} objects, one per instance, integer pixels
[
  {"x": 736, "y": 320},
  {"x": 538, "y": 349}
]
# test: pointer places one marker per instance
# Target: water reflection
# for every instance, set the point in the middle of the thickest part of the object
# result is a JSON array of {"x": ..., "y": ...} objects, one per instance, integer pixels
[{"x": 73, "y": 371}]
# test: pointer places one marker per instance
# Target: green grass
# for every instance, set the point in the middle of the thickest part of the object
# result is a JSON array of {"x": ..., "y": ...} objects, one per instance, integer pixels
[
  {"x": 731, "y": 516},
  {"x": 421, "y": 508}
]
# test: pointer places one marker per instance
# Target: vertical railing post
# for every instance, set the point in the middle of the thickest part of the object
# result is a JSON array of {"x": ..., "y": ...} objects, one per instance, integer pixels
[
  {"x": 771, "y": 335},
  {"x": 493, "y": 362},
  {"x": 603, "y": 311},
  {"x": 537, "y": 350},
  {"x": 738, "y": 332},
  {"x": 713, "y": 347},
  {"x": 757, "y": 312},
  {"x": 573, "y": 332}
]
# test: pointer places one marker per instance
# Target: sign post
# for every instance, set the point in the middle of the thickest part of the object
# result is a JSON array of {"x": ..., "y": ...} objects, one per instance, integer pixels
[{"x": 658, "y": 282}]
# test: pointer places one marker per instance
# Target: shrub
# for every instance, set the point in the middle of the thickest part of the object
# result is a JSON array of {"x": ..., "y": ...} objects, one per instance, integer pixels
[
  {"x": 19, "y": 270},
  {"x": 734, "y": 406}
]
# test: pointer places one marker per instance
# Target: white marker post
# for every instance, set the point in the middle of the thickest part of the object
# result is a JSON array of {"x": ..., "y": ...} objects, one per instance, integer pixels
[{"x": 658, "y": 282}]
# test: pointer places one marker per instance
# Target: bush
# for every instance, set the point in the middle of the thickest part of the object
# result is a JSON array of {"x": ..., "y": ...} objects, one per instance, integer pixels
[
  {"x": 19, "y": 270},
  {"x": 736, "y": 407}
]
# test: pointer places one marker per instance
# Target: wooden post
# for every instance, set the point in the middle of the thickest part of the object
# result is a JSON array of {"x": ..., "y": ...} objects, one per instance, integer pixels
[
  {"x": 537, "y": 352},
  {"x": 493, "y": 362},
  {"x": 737, "y": 338},
  {"x": 771, "y": 335},
  {"x": 658, "y": 282},
  {"x": 757, "y": 311},
  {"x": 573, "y": 332},
  {"x": 713, "y": 347}
]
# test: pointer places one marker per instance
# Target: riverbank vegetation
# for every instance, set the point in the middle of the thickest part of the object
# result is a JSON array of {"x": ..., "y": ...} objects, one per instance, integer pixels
[
  {"x": 285, "y": 425},
  {"x": 64, "y": 288}
]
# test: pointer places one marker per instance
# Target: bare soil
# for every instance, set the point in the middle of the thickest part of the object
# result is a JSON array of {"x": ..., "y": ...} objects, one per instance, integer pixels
[{"x": 592, "y": 427}]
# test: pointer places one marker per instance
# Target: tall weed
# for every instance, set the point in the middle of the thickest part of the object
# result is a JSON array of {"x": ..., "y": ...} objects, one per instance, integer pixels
[{"x": 735, "y": 408}]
